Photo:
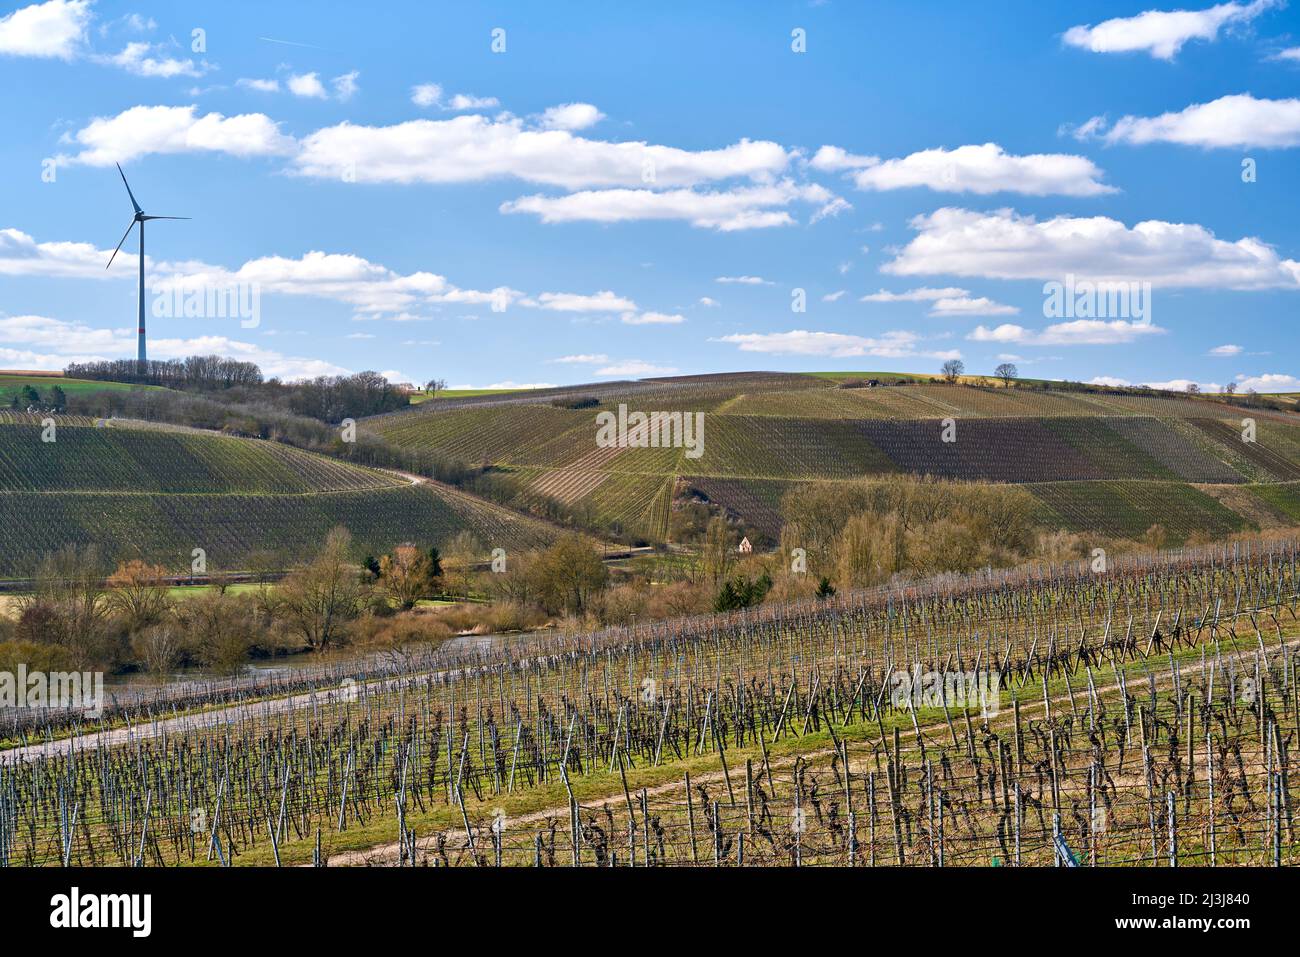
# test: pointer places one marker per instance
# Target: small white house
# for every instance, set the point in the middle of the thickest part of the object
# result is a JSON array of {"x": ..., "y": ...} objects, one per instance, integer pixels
[{"x": 745, "y": 548}]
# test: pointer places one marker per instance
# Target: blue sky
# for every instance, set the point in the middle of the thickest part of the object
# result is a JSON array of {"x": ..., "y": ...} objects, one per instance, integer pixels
[{"x": 511, "y": 193}]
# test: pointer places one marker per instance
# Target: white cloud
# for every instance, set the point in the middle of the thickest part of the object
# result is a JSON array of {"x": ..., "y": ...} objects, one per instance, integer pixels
[
  {"x": 571, "y": 116},
  {"x": 53, "y": 29},
  {"x": 474, "y": 148},
  {"x": 1226, "y": 350},
  {"x": 802, "y": 342},
  {"x": 62, "y": 342},
  {"x": 261, "y": 86},
  {"x": 652, "y": 319},
  {"x": 394, "y": 377},
  {"x": 603, "y": 301},
  {"x": 753, "y": 207},
  {"x": 1289, "y": 55},
  {"x": 509, "y": 385},
  {"x": 958, "y": 306},
  {"x": 135, "y": 58},
  {"x": 1111, "y": 381},
  {"x": 982, "y": 169},
  {"x": 426, "y": 94},
  {"x": 467, "y": 101},
  {"x": 1239, "y": 120},
  {"x": 22, "y": 255},
  {"x": 1269, "y": 382},
  {"x": 359, "y": 335},
  {"x": 634, "y": 369},
  {"x": 1162, "y": 33},
  {"x": 143, "y": 130},
  {"x": 1006, "y": 245},
  {"x": 582, "y": 359},
  {"x": 307, "y": 85},
  {"x": 709, "y": 301},
  {"x": 345, "y": 86},
  {"x": 924, "y": 294},
  {"x": 1078, "y": 332},
  {"x": 833, "y": 296},
  {"x": 744, "y": 281},
  {"x": 431, "y": 94},
  {"x": 1180, "y": 385}
]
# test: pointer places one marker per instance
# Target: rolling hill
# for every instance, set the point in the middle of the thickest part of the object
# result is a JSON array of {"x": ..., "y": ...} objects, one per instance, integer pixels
[
  {"x": 1113, "y": 462},
  {"x": 138, "y": 490}
]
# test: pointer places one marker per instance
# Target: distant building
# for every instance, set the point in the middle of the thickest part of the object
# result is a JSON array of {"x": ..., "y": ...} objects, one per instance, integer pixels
[{"x": 745, "y": 548}]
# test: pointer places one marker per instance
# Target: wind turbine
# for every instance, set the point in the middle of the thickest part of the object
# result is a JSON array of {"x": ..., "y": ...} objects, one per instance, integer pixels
[{"x": 140, "y": 217}]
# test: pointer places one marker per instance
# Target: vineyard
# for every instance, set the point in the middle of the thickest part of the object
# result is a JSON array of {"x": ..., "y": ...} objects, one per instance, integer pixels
[
  {"x": 159, "y": 493},
  {"x": 1143, "y": 717},
  {"x": 780, "y": 428}
]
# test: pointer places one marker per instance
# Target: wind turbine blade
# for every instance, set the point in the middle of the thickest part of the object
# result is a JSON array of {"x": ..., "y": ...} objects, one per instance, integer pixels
[
  {"x": 166, "y": 217},
  {"x": 128, "y": 188},
  {"x": 119, "y": 244}
]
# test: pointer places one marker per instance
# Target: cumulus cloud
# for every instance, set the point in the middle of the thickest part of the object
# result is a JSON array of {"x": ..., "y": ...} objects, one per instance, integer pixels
[
  {"x": 307, "y": 85},
  {"x": 592, "y": 358},
  {"x": 261, "y": 86},
  {"x": 981, "y": 169},
  {"x": 345, "y": 86},
  {"x": 634, "y": 368},
  {"x": 835, "y": 296},
  {"x": 1006, "y": 245},
  {"x": 22, "y": 255},
  {"x": 373, "y": 290},
  {"x": 1269, "y": 382},
  {"x": 1078, "y": 332},
  {"x": 143, "y": 130},
  {"x": 1239, "y": 120},
  {"x": 751, "y": 207},
  {"x": 474, "y": 148},
  {"x": 744, "y": 281},
  {"x": 948, "y": 301},
  {"x": 53, "y": 343},
  {"x": 802, "y": 342},
  {"x": 1162, "y": 33},
  {"x": 467, "y": 101},
  {"x": 652, "y": 319},
  {"x": 958, "y": 306},
  {"x": 570, "y": 116},
  {"x": 431, "y": 94},
  {"x": 55, "y": 29},
  {"x": 603, "y": 301},
  {"x": 1226, "y": 350},
  {"x": 924, "y": 294},
  {"x": 137, "y": 57}
]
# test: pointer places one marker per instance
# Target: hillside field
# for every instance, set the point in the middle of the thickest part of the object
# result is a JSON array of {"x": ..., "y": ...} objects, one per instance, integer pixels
[{"x": 1114, "y": 462}]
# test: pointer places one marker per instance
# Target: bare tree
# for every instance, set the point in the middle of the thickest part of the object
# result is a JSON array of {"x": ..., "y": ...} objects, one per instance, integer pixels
[
  {"x": 320, "y": 599},
  {"x": 434, "y": 386},
  {"x": 952, "y": 369},
  {"x": 1007, "y": 372}
]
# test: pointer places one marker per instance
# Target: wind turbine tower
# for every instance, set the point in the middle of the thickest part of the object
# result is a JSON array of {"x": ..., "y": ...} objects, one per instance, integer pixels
[{"x": 140, "y": 218}]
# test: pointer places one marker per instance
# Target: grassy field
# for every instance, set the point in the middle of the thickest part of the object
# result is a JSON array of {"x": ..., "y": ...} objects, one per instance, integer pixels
[{"x": 10, "y": 385}]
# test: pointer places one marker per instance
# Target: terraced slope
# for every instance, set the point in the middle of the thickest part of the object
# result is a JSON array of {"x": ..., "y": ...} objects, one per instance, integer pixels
[
  {"x": 768, "y": 431},
  {"x": 160, "y": 493}
]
